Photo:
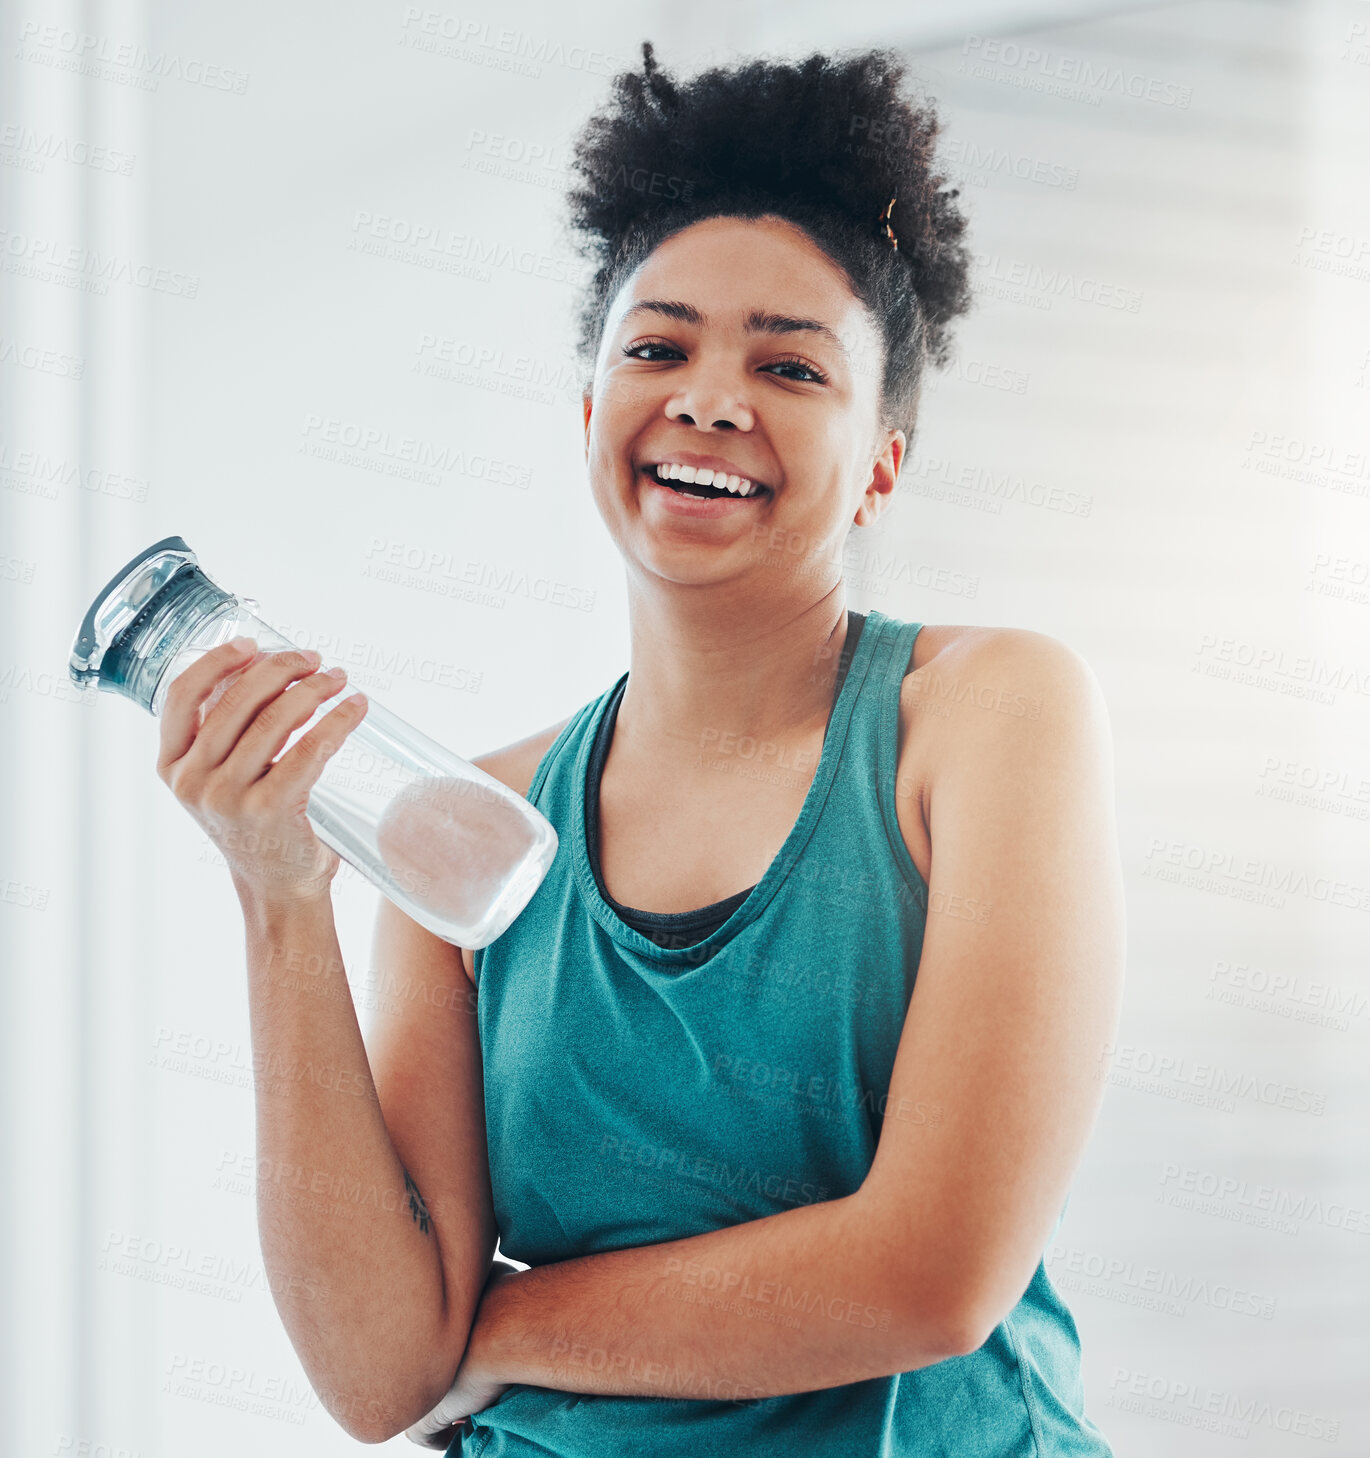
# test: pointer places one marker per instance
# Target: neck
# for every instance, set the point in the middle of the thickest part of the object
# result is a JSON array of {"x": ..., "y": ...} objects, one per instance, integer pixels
[{"x": 697, "y": 674}]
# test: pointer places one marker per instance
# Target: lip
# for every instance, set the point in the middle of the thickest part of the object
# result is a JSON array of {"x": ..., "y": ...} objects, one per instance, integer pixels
[
  {"x": 708, "y": 463},
  {"x": 681, "y": 504}
]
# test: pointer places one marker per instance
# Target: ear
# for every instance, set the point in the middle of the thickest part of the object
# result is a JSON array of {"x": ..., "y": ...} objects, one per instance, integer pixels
[
  {"x": 879, "y": 493},
  {"x": 587, "y": 404}
]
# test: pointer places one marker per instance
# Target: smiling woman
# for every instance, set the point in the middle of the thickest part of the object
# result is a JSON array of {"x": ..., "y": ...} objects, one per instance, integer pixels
[{"x": 784, "y": 1072}]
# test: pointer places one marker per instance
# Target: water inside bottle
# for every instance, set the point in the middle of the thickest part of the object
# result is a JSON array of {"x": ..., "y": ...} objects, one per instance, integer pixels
[{"x": 455, "y": 841}]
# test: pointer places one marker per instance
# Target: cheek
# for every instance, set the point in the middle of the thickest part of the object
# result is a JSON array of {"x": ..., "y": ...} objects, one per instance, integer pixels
[
  {"x": 621, "y": 401},
  {"x": 617, "y": 425}
]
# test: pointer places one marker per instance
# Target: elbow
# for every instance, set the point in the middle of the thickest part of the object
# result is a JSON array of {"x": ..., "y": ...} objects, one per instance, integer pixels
[
  {"x": 966, "y": 1332},
  {"x": 975, "y": 1317},
  {"x": 923, "y": 1340},
  {"x": 371, "y": 1420},
  {"x": 936, "y": 1332},
  {"x": 382, "y": 1421},
  {"x": 362, "y": 1434},
  {"x": 390, "y": 1420},
  {"x": 361, "y": 1421},
  {"x": 415, "y": 1392},
  {"x": 430, "y": 1371}
]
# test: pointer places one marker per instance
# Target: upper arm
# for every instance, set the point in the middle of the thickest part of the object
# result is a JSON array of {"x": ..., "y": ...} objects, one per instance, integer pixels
[
  {"x": 1019, "y": 985},
  {"x": 424, "y": 1051}
]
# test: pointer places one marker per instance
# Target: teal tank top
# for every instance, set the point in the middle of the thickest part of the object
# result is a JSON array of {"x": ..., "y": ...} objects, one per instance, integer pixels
[{"x": 638, "y": 1093}]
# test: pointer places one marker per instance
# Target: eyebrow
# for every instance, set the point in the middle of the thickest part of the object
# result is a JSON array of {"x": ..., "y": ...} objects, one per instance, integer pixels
[{"x": 759, "y": 321}]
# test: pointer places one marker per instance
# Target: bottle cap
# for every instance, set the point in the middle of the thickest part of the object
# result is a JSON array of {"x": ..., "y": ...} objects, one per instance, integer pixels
[{"x": 109, "y": 651}]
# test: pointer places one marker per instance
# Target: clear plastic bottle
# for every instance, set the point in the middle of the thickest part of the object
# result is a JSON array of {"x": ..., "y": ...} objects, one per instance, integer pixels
[{"x": 452, "y": 846}]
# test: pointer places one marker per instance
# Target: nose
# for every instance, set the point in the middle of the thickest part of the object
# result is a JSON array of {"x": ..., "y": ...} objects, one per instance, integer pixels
[{"x": 709, "y": 402}]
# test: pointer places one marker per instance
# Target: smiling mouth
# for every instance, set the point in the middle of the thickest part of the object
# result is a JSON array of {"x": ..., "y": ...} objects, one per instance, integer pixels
[{"x": 697, "y": 488}]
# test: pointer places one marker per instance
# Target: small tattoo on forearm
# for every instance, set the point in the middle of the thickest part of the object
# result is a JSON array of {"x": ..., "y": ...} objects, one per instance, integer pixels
[{"x": 416, "y": 1206}]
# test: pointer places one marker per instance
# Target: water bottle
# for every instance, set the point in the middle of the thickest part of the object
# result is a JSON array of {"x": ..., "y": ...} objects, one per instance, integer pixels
[{"x": 452, "y": 846}]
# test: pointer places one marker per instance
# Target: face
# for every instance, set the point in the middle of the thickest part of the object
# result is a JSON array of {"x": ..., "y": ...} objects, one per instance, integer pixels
[{"x": 739, "y": 346}]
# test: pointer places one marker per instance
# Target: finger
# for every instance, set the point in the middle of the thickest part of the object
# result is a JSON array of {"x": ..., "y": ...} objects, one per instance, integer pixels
[
  {"x": 268, "y": 733},
  {"x": 435, "y": 1435},
  {"x": 298, "y": 769},
  {"x": 188, "y": 690},
  {"x": 242, "y": 701},
  {"x": 448, "y": 1414}
]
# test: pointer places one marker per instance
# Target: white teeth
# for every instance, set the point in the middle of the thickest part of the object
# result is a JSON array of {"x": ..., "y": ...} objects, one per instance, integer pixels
[{"x": 703, "y": 476}]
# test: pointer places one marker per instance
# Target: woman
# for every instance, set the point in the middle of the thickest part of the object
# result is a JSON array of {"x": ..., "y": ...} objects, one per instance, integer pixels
[{"x": 783, "y": 1159}]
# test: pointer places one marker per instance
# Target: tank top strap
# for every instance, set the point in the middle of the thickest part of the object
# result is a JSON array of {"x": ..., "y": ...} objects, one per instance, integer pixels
[
  {"x": 863, "y": 805},
  {"x": 894, "y": 645},
  {"x": 575, "y": 727},
  {"x": 874, "y": 723}
]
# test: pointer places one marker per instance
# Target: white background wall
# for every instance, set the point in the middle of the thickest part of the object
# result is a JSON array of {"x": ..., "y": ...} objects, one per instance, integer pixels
[{"x": 1214, "y": 423}]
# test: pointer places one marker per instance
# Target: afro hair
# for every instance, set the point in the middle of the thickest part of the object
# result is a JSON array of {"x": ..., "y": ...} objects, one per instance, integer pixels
[{"x": 824, "y": 143}]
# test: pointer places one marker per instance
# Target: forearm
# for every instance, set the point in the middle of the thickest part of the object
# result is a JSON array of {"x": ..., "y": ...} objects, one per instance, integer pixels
[
  {"x": 791, "y": 1303},
  {"x": 347, "y": 1238}
]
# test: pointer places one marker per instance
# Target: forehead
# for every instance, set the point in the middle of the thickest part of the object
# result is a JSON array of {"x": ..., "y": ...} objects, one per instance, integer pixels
[{"x": 728, "y": 268}]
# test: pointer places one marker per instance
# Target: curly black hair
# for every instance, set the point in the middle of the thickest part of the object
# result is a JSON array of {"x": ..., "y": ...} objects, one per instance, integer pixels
[{"x": 824, "y": 143}]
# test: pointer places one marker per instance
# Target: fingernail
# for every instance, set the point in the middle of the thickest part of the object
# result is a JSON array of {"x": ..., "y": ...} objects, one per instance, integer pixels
[
  {"x": 337, "y": 671},
  {"x": 240, "y": 645}
]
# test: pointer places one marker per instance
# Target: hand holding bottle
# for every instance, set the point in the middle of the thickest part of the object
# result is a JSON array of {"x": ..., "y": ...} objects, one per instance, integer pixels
[
  {"x": 453, "y": 847},
  {"x": 225, "y": 719}
]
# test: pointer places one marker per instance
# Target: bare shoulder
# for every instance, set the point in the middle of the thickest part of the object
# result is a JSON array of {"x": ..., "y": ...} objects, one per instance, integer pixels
[
  {"x": 517, "y": 763},
  {"x": 969, "y": 687},
  {"x": 948, "y": 657}
]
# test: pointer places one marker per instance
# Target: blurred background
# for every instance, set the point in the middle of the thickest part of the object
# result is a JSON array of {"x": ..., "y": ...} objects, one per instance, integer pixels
[{"x": 293, "y": 283}]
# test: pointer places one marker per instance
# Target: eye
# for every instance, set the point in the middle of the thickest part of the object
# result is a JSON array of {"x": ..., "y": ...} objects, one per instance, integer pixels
[
  {"x": 631, "y": 351},
  {"x": 816, "y": 376},
  {"x": 810, "y": 373}
]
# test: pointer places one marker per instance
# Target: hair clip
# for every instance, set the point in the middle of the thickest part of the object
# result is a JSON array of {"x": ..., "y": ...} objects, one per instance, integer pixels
[{"x": 885, "y": 219}]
